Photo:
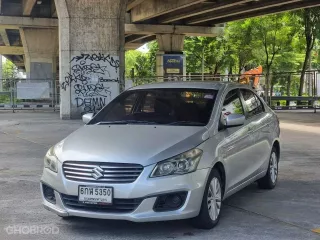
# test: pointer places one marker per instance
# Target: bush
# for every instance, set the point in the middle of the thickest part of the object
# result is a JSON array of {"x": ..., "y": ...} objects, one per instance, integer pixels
[{"x": 4, "y": 99}]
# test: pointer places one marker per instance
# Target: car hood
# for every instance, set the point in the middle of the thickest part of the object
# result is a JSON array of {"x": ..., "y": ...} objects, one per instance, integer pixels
[{"x": 141, "y": 144}]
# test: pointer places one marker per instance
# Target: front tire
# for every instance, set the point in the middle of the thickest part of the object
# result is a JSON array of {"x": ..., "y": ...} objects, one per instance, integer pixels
[
  {"x": 211, "y": 203},
  {"x": 269, "y": 181}
]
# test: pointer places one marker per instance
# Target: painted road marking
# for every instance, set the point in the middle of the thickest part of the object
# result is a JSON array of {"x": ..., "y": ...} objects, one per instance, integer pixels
[{"x": 317, "y": 230}]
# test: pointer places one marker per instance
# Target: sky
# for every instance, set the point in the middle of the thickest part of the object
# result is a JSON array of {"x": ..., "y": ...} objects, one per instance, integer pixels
[{"x": 144, "y": 48}]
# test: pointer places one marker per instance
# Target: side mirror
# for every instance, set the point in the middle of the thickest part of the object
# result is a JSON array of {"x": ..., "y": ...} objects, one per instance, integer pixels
[
  {"x": 87, "y": 117},
  {"x": 234, "y": 120}
]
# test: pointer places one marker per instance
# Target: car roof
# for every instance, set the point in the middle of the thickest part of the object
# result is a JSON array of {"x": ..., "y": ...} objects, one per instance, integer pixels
[{"x": 189, "y": 84}]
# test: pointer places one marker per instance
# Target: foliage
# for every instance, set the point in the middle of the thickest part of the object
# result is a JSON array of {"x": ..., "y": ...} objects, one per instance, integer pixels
[
  {"x": 153, "y": 49},
  {"x": 274, "y": 35},
  {"x": 4, "y": 99},
  {"x": 144, "y": 64},
  {"x": 9, "y": 72},
  {"x": 310, "y": 21},
  {"x": 131, "y": 56},
  {"x": 210, "y": 51},
  {"x": 241, "y": 47},
  {"x": 279, "y": 42}
]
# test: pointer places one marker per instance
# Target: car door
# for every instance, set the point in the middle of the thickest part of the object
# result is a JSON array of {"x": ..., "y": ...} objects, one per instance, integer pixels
[
  {"x": 259, "y": 127},
  {"x": 236, "y": 142}
]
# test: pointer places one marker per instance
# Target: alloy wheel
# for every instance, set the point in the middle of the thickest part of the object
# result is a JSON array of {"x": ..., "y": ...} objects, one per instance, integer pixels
[
  {"x": 214, "y": 199},
  {"x": 273, "y": 168}
]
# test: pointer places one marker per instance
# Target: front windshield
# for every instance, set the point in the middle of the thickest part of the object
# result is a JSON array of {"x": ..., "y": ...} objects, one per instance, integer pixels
[{"x": 191, "y": 107}]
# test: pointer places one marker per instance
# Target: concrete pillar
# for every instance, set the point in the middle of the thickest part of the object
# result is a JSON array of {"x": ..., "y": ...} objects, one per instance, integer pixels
[
  {"x": 170, "y": 59},
  {"x": 170, "y": 43},
  {"x": 91, "y": 42},
  {"x": 40, "y": 49}
]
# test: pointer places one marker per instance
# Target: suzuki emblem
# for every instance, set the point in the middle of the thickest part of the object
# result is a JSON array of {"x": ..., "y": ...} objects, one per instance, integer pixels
[{"x": 97, "y": 173}]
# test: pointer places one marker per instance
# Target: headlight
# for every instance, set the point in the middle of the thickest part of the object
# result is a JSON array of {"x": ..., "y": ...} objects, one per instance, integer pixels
[
  {"x": 51, "y": 160},
  {"x": 184, "y": 163}
]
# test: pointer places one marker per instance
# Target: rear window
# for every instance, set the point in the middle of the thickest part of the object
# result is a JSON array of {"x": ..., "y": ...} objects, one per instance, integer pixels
[{"x": 160, "y": 106}]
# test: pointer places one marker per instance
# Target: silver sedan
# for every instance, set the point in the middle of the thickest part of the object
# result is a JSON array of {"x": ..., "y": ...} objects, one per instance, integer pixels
[{"x": 164, "y": 151}]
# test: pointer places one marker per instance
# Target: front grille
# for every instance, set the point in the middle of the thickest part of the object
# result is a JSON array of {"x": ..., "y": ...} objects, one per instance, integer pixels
[
  {"x": 118, "y": 205},
  {"x": 108, "y": 172}
]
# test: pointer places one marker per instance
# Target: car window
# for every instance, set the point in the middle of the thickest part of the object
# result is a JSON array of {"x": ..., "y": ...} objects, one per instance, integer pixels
[
  {"x": 175, "y": 106},
  {"x": 129, "y": 102},
  {"x": 149, "y": 101},
  {"x": 124, "y": 107},
  {"x": 232, "y": 103},
  {"x": 253, "y": 105}
]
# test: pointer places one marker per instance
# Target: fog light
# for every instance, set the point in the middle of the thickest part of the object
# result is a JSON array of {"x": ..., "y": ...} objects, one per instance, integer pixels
[
  {"x": 170, "y": 202},
  {"x": 48, "y": 193},
  {"x": 175, "y": 201}
]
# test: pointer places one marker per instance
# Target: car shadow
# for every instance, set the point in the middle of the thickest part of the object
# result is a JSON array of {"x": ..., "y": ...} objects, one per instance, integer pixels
[
  {"x": 250, "y": 206},
  {"x": 91, "y": 227},
  {"x": 168, "y": 229}
]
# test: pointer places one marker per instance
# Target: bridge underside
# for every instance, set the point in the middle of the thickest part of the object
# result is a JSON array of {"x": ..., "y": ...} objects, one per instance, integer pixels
[
  {"x": 84, "y": 41},
  {"x": 208, "y": 12},
  {"x": 205, "y": 13}
]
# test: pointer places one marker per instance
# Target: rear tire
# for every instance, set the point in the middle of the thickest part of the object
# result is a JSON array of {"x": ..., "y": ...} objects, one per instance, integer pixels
[
  {"x": 211, "y": 205},
  {"x": 269, "y": 181}
]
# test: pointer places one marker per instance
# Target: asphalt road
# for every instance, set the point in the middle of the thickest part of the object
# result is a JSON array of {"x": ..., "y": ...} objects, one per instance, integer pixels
[{"x": 291, "y": 211}]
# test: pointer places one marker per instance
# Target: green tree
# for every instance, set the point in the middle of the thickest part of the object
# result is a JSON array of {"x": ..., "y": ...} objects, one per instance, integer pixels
[
  {"x": 272, "y": 41},
  {"x": 140, "y": 62},
  {"x": 193, "y": 45},
  {"x": 142, "y": 66},
  {"x": 310, "y": 20},
  {"x": 316, "y": 59},
  {"x": 152, "y": 56},
  {"x": 209, "y": 50},
  {"x": 9, "y": 73},
  {"x": 274, "y": 34},
  {"x": 241, "y": 46},
  {"x": 131, "y": 56}
]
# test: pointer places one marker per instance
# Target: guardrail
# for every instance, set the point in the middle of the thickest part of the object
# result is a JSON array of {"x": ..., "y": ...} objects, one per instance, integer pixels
[
  {"x": 294, "y": 98},
  {"x": 314, "y": 102},
  {"x": 34, "y": 94}
]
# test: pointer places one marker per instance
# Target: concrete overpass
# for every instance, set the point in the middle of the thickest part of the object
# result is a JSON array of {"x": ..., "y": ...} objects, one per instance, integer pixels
[{"x": 85, "y": 40}]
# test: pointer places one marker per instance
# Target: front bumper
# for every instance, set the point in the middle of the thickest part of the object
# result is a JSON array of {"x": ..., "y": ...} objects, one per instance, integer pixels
[{"x": 144, "y": 187}]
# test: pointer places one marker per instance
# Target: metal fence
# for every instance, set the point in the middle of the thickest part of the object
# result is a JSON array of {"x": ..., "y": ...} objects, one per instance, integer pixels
[
  {"x": 29, "y": 94},
  {"x": 284, "y": 90},
  {"x": 281, "y": 93},
  {"x": 145, "y": 80}
]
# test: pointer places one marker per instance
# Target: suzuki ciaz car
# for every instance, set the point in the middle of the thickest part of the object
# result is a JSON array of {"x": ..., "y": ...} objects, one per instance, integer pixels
[{"x": 164, "y": 151}]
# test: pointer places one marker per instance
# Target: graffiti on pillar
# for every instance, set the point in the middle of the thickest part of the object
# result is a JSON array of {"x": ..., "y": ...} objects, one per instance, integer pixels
[{"x": 94, "y": 81}]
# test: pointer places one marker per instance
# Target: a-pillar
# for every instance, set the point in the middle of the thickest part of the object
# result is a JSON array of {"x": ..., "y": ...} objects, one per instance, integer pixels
[
  {"x": 40, "y": 49},
  {"x": 91, "y": 50},
  {"x": 170, "y": 59}
]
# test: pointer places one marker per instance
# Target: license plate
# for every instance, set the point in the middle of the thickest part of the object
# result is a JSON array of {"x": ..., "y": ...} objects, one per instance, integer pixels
[{"x": 95, "y": 195}]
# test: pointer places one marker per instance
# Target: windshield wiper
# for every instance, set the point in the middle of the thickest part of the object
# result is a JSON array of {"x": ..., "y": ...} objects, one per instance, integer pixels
[
  {"x": 126, "y": 122},
  {"x": 187, "y": 123}
]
